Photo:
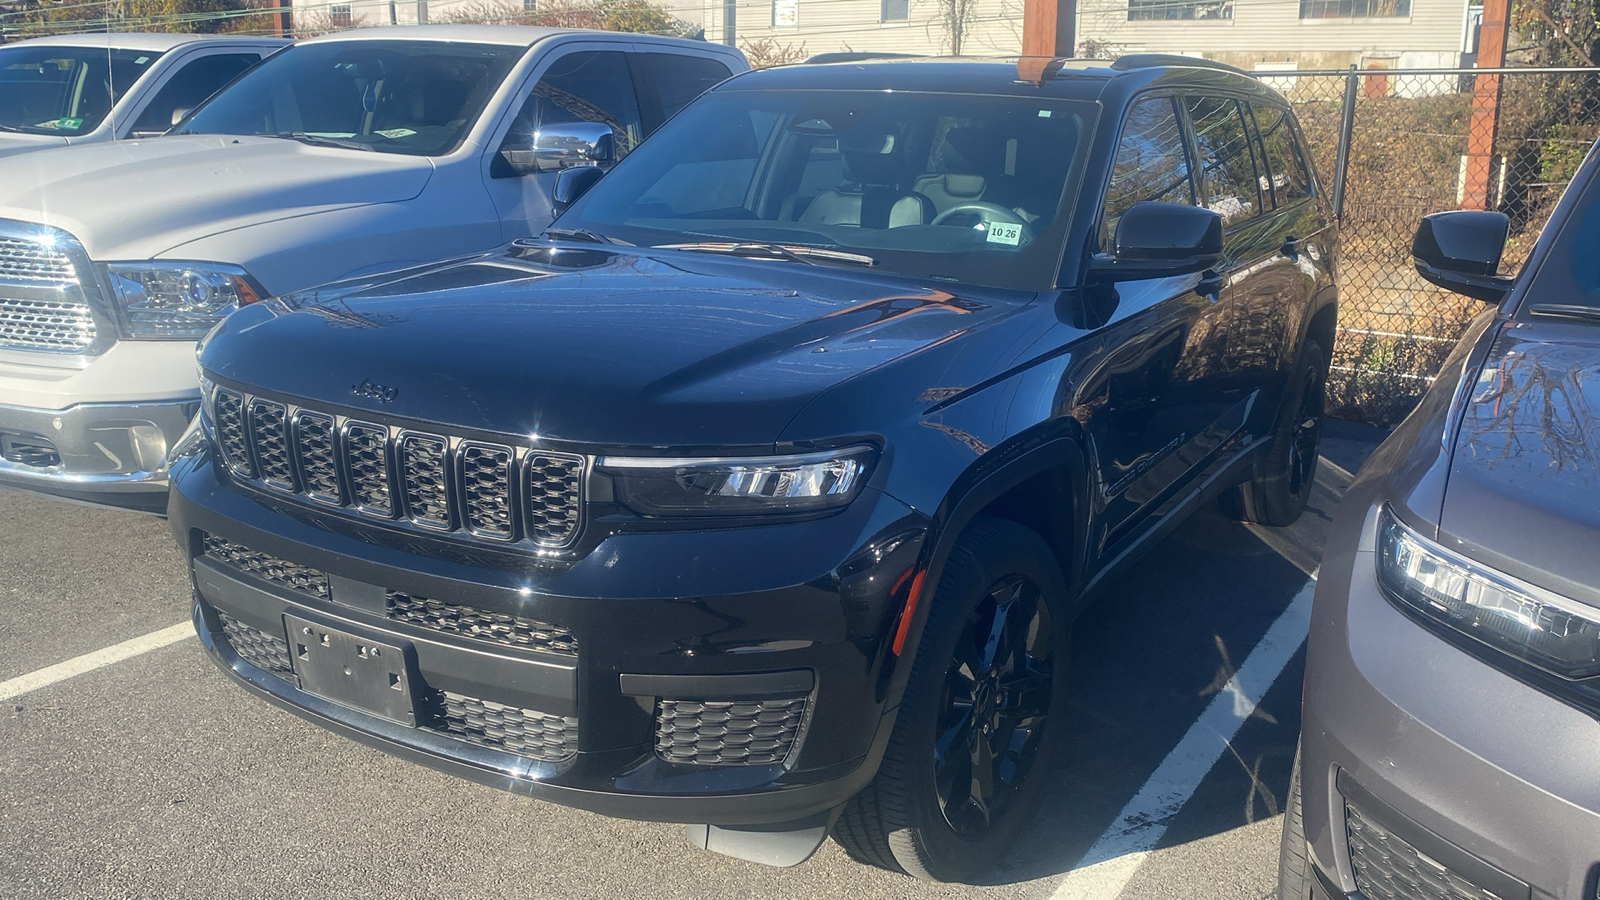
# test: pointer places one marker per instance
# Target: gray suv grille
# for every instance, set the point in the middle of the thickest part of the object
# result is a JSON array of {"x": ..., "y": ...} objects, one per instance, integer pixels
[
  {"x": 433, "y": 481},
  {"x": 43, "y": 305}
]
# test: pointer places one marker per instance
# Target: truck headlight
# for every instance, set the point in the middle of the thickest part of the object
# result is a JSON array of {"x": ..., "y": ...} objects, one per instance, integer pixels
[
  {"x": 752, "y": 486},
  {"x": 178, "y": 300},
  {"x": 1531, "y": 624}
]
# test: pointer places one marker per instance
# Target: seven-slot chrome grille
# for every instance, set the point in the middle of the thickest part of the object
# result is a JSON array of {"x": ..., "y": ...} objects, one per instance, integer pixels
[
  {"x": 430, "y": 480},
  {"x": 43, "y": 305}
]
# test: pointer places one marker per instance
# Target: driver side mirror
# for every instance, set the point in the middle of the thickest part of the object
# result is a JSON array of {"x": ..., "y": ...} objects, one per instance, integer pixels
[
  {"x": 555, "y": 147},
  {"x": 1460, "y": 251},
  {"x": 572, "y": 184},
  {"x": 181, "y": 113},
  {"x": 1157, "y": 240}
]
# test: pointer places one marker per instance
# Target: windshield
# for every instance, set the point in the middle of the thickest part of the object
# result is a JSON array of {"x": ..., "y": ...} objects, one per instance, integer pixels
[
  {"x": 413, "y": 97},
  {"x": 950, "y": 187},
  {"x": 1570, "y": 275},
  {"x": 65, "y": 90}
]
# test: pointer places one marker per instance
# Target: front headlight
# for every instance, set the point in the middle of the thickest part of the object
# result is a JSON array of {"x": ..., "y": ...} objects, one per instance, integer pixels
[
  {"x": 752, "y": 486},
  {"x": 1539, "y": 628},
  {"x": 178, "y": 300}
]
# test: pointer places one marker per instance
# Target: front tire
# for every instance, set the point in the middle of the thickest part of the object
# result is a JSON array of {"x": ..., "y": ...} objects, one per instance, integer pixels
[
  {"x": 1280, "y": 485},
  {"x": 975, "y": 723}
]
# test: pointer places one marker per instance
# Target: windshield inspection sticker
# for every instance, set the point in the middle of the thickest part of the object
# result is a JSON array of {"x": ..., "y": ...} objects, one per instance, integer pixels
[
  {"x": 1004, "y": 233},
  {"x": 396, "y": 133},
  {"x": 69, "y": 122}
]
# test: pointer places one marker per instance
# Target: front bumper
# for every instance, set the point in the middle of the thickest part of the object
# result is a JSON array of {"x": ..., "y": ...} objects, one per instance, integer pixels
[
  {"x": 630, "y": 692},
  {"x": 1426, "y": 772},
  {"x": 111, "y": 453}
]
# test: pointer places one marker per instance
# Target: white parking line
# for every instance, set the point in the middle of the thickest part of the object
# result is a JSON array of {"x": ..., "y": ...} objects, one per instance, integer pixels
[
  {"x": 88, "y": 662},
  {"x": 1110, "y": 864}
]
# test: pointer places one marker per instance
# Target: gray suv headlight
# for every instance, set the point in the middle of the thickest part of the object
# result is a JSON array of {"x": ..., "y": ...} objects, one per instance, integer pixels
[
  {"x": 751, "y": 486},
  {"x": 178, "y": 300},
  {"x": 1534, "y": 626}
]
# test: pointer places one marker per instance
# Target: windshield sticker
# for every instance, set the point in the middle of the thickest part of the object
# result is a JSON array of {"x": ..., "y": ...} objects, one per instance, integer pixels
[
  {"x": 396, "y": 133},
  {"x": 1044, "y": 113},
  {"x": 1004, "y": 233},
  {"x": 69, "y": 122},
  {"x": 141, "y": 60}
]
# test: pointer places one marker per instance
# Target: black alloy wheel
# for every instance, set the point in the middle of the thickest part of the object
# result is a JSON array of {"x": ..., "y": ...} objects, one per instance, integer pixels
[
  {"x": 1280, "y": 483},
  {"x": 997, "y": 698},
  {"x": 980, "y": 716}
]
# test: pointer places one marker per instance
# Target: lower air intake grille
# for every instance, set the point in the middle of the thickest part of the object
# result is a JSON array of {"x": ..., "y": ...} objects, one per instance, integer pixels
[
  {"x": 256, "y": 647},
  {"x": 1388, "y": 868},
  {"x": 481, "y": 625},
  {"x": 524, "y": 732},
  {"x": 303, "y": 579},
  {"x": 758, "y": 732}
]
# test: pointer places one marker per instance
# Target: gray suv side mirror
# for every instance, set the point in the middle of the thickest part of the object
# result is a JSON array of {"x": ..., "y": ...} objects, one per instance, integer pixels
[
  {"x": 1460, "y": 251},
  {"x": 555, "y": 147},
  {"x": 1156, "y": 240}
]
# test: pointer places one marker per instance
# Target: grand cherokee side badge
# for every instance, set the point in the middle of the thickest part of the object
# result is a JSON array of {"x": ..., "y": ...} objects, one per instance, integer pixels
[{"x": 374, "y": 391}]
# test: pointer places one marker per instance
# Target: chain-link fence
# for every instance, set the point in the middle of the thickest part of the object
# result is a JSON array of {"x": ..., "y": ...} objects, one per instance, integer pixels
[{"x": 1399, "y": 144}]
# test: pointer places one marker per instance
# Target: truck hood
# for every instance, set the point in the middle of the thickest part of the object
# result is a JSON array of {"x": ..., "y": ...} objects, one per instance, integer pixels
[
  {"x": 584, "y": 346},
  {"x": 1526, "y": 466},
  {"x": 138, "y": 199},
  {"x": 12, "y": 144}
]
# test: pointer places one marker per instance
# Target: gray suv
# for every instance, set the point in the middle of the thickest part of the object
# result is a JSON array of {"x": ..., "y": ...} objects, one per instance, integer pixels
[{"x": 1453, "y": 669}]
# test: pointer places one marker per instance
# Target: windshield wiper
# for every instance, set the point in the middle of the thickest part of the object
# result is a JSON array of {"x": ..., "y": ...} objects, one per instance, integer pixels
[
  {"x": 1566, "y": 311},
  {"x": 317, "y": 139},
  {"x": 12, "y": 128},
  {"x": 794, "y": 252},
  {"x": 593, "y": 237}
]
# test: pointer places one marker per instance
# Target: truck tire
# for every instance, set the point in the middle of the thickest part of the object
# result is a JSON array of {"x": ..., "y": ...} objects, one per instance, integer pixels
[
  {"x": 976, "y": 720},
  {"x": 1280, "y": 484}
]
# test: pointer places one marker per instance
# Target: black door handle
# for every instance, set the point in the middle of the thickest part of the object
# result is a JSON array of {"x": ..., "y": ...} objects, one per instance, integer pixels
[
  {"x": 1292, "y": 245},
  {"x": 1210, "y": 286}
]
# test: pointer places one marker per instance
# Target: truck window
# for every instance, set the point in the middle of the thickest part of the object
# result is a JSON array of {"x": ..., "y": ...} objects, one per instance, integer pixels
[
  {"x": 189, "y": 86},
  {"x": 1290, "y": 179},
  {"x": 589, "y": 86},
  {"x": 1231, "y": 186},
  {"x": 679, "y": 79},
  {"x": 1151, "y": 162}
]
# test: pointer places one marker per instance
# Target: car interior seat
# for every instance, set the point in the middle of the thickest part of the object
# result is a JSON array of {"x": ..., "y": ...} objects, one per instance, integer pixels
[
  {"x": 873, "y": 197},
  {"x": 969, "y": 166}
]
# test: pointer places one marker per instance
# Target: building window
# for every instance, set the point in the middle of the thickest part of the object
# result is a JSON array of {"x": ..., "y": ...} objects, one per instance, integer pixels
[
  {"x": 785, "y": 13},
  {"x": 895, "y": 10},
  {"x": 1354, "y": 9},
  {"x": 339, "y": 15},
  {"x": 530, "y": 5},
  {"x": 1140, "y": 10}
]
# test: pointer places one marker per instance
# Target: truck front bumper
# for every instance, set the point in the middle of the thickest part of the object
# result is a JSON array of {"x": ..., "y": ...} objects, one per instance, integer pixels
[{"x": 107, "y": 453}]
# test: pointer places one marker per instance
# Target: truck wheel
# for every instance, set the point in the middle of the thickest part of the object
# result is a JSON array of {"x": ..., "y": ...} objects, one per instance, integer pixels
[
  {"x": 1280, "y": 484},
  {"x": 976, "y": 721},
  {"x": 1294, "y": 879}
]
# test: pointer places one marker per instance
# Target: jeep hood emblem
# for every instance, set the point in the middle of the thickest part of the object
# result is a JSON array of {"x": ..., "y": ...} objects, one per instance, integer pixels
[{"x": 374, "y": 391}]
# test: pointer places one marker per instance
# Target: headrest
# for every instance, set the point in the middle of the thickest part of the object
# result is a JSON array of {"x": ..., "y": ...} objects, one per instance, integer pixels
[
  {"x": 967, "y": 187},
  {"x": 973, "y": 151}
]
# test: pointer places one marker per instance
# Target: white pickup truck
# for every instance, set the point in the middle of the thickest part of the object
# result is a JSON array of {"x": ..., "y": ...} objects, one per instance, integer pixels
[
  {"x": 342, "y": 155},
  {"x": 89, "y": 88}
]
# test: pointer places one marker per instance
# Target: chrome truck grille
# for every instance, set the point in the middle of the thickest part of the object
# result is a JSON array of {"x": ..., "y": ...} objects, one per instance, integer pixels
[
  {"x": 410, "y": 477},
  {"x": 45, "y": 289}
]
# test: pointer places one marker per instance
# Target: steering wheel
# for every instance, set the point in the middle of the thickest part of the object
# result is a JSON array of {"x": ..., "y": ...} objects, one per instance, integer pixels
[{"x": 989, "y": 215}]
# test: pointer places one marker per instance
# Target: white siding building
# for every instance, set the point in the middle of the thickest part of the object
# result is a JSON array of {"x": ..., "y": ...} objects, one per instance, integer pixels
[
  {"x": 989, "y": 27},
  {"x": 321, "y": 15}
]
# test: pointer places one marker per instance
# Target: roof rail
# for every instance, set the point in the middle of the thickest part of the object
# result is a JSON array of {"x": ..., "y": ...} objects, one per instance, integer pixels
[
  {"x": 1151, "y": 60},
  {"x": 858, "y": 56}
]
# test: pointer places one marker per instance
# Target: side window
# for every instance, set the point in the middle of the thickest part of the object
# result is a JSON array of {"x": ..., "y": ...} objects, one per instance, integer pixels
[
  {"x": 1151, "y": 162},
  {"x": 190, "y": 85},
  {"x": 1230, "y": 182},
  {"x": 679, "y": 79},
  {"x": 1290, "y": 178},
  {"x": 589, "y": 86}
]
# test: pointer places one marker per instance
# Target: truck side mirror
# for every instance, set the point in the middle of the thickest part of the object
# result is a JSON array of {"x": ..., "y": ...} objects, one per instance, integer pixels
[
  {"x": 181, "y": 113},
  {"x": 572, "y": 184},
  {"x": 1157, "y": 240},
  {"x": 1460, "y": 251},
  {"x": 554, "y": 147}
]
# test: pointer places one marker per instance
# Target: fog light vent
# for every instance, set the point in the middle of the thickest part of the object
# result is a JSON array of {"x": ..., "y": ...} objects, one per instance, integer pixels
[
  {"x": 744, "y": 732},
  {"x": 35, "y": 453}
]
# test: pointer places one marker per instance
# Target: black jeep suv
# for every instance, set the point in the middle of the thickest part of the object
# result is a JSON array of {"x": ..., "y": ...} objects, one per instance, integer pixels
[{"x": 761, "y": 492}]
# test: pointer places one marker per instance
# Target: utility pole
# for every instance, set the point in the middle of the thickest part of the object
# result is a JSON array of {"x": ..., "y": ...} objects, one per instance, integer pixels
[
  {"x": 1477, "y": 175},
  {"x": 1049, "y": 27}
]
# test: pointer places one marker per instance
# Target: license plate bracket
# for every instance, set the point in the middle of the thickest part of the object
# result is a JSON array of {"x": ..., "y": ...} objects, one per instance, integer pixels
[{"x": 371, "y": 676}]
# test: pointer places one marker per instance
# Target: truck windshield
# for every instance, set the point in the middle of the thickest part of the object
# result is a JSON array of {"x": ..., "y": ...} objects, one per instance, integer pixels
[
  {"x": 413, "y": 97},
  {"x": 65, "y": 90},
  {"x": 957, "y": 188}
]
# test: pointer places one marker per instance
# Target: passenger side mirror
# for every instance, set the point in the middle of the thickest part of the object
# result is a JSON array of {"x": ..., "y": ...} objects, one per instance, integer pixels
[
  {"x": 1156, "y": 240},
  {"x": 572, "y": 184},
  {"x": 555, "y": 147},
  {"x": 1460, "y": 251}
]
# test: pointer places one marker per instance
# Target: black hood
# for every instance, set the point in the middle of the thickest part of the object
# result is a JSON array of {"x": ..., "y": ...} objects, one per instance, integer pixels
[
  {"x": 1524, "y": 487},
  {"x": 595, "y": 346}
]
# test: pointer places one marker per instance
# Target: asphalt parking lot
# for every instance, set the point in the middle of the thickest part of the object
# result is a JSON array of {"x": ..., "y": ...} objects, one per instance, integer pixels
[{"x": 152, "y": 777}]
